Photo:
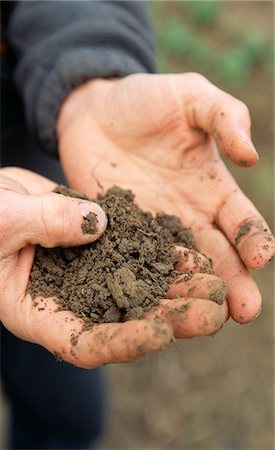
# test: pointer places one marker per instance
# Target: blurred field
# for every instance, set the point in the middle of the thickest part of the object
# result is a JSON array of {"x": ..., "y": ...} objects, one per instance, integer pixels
[{"x": 212, "y": 393}]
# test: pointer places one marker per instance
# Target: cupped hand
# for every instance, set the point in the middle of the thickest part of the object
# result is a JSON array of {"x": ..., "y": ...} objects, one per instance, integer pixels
[
  {"x": 31, "y": 214},
  {"x": 158, "y": 135}
]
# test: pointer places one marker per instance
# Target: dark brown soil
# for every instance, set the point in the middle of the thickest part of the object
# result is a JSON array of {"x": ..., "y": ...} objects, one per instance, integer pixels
[
  {"x": 89, "y": 225},
  {"x": 124, "y": 273}
]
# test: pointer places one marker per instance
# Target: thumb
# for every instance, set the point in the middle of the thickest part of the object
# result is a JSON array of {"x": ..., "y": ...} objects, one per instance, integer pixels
[
  {"x": 50, "y": 220},
  {"x": 226, "y": 118}
]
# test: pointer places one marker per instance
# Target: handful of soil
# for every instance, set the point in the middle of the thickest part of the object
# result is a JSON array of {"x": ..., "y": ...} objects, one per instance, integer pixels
[{"x": 121, "y": 275}]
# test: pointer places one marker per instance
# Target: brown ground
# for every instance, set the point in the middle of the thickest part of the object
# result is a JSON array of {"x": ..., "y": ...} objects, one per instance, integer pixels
[{"x": 213, "y": 393}]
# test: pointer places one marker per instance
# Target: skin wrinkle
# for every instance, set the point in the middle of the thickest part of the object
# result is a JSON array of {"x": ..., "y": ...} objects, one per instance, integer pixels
[
  {"x": 4, "y": 219},
  {"x": 219, "y": 262},
  {"x": 5, "y": 261},
  {"x": 204, "y": 216},
  {"x": 223, "y": 205},
  {"x": 214, "y": 118},
  {"x": 5, "y": 290},
  {"x": 160, "y": 185},
  {"x": 173, "y": 124},
  {"x": 212, "y": 113},
  {"x": 43, "y": 213},
  {"x": 169, "y": 118},
  {"x": 23, "y": 310},
  {"x": 114, "y": 335},
  {"x": 135, "y": 159},
  {"x": 8, "y": 184}
]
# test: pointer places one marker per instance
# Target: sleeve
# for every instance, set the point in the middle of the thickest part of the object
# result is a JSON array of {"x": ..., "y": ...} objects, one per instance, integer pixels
[{"x": 61, "y": 44}]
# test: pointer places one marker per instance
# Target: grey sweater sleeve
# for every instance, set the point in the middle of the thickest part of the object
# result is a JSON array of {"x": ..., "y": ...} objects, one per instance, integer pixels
[{"x": 61, "y": 44}]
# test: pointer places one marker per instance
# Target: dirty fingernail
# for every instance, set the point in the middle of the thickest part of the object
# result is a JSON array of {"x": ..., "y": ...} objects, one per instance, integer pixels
[
  {"x": 257, "y": 315},
  {"x": 246, "y": 139},
  {"x": 94, "y": 218}
]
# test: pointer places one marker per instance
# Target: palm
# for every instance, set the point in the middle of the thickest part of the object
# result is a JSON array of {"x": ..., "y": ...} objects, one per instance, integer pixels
[{"x": 142, "y": 136}]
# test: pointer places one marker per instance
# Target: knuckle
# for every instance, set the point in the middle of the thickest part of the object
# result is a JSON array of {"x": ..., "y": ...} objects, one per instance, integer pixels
[
  {"x": 197, "y": 77},
  {"x": 53, "y": 216},
  {"x": 243, "y": 108}
]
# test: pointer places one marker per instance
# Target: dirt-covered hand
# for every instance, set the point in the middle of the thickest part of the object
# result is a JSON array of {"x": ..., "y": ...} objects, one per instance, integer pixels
[
  {"x": 31, "y": 214},
  {"x": 157, "y": 135}
]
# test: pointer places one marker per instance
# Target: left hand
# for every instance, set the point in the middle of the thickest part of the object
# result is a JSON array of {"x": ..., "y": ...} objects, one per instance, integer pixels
[{"x": 155, "y": 134}]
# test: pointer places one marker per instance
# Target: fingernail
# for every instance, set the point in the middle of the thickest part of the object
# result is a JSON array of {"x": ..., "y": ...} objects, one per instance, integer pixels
[
  {"x": 246, "y": 139},
  {"x": 257, "y": 315},
  {"x": 88, "y": 211}
]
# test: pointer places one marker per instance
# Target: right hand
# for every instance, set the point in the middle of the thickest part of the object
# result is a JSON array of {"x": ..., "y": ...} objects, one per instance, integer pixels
[{"x": 31, "y": 214}]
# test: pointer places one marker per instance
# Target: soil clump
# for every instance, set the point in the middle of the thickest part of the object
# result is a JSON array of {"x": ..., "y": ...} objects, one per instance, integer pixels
[{"x": 121, "y": 275}]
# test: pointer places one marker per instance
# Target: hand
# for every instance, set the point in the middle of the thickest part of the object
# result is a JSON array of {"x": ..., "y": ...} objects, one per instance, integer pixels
[
  {"x": 31, "y": 215},
  {"x": 157, "y": 135}
]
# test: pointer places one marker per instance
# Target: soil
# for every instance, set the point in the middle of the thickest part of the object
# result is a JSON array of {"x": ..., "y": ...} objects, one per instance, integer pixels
[
  {"x": 243, "y": 231},
  {"x": 121, "y": 275}
]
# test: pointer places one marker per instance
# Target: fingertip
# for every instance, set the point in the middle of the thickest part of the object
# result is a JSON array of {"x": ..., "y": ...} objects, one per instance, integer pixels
[
  {"x": 208, "y": 318},
  {"x": 237, "y": 146},
  {"x": 191, "y": 260},
  {"x": 192, "y": 317},
  {"x": 240, "y": 154},
  {"x": 64, "y": 221},
  {"x": 217, "y": 318},
  {"x": 248, "y": 148},
  {"x": 257, "y": 250},
  {"x": 245, "y": 300},
  {"x": 246, "y": 229},
  {"x": 198, "y": 285}
]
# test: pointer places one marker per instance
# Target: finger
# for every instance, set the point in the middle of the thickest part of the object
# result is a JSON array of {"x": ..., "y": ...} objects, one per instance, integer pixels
[
  {"x": 9, "y": 184},
  {"x": 190, "y": 317},
  {"x": 34, "y": 183},
  {"x": 191, "y": 260},
  {"x": 60, "y": 332},
  {"x": 200, "y": 286},
  {"x": 49, "y": 220},
  {"x": 244, "y": 298},
  {"x": 224, "y": 117},
  {"x": 247, "y": 230},
  {"x": 110, "y": 343}
]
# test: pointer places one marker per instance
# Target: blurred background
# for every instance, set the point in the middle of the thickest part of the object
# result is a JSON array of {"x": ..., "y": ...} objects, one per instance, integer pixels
[{"x": 212, "y": 393}]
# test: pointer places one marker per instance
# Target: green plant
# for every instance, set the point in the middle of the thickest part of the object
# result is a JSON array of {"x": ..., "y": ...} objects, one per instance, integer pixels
[
  {"x": 177, "y": 39},
  {"x": 203, "y": 12}
]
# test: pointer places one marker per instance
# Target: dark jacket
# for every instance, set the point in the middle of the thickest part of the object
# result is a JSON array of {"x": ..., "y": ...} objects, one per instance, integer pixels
[{"x": 58, "y": 45}]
